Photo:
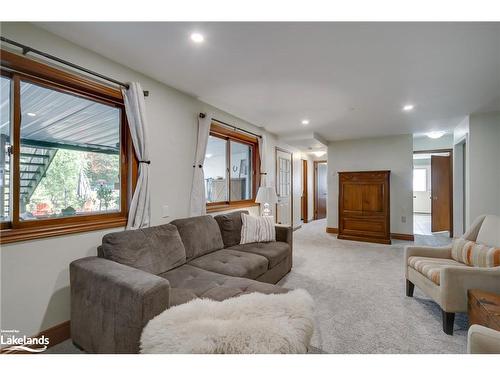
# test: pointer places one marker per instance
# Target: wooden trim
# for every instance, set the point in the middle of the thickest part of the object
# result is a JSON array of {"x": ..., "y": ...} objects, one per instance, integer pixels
[
  {"x": 235, "y": 136},
  {"x": 304, "y": 206},
  {"x": 403, "y": 236},
  {"x": 29, "y": 70},
  {"x": 55, "y": 334},
  {"x": 395, "y": 236},
  {"x": 315, "y": 187},
  {"x": 216, "y": 207},
  {"x": 84, "y": 84},
  {"x": 33, "y": 233},
  {"x": 276, "y": 149}
]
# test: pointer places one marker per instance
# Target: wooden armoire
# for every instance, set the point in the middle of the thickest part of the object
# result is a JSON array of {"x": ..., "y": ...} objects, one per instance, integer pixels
[{"x": 364, "y": 205}]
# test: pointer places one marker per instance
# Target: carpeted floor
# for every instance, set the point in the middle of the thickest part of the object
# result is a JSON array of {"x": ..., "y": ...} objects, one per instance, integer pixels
[{"x": 359, "y": 292}]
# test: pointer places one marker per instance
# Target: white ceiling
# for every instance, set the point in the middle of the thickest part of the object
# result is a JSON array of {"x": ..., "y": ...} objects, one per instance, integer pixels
[{"x": 349, "y": 79}]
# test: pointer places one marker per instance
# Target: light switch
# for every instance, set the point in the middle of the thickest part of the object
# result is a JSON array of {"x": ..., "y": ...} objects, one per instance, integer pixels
[{"x": 165, "y": 211}]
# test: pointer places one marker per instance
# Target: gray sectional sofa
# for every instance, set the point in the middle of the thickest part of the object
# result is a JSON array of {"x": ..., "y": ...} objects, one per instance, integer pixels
[{"x": 138, "y": 274}]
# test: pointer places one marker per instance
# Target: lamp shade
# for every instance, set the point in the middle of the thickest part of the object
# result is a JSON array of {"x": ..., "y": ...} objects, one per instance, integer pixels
[{"x": 266, "y": 194}]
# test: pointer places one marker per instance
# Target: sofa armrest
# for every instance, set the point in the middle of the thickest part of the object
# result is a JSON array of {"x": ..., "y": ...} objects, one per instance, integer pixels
[
  {"x": 456, "y": 281},
  {"x": 111, "y": 303},
  {"x": 483, "y": 340},
  {"x": 284, "y": 234}
]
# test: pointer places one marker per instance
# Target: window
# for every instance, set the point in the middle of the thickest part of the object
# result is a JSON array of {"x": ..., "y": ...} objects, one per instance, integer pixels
[
  {"x": 419, "y": 179},
  {"x": 66, "y": 154},
  {"x": 231, "y": 160}
]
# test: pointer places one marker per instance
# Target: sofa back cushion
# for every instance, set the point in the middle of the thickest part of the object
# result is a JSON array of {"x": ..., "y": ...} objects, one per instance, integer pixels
[
  {"x": 489, "y": 233},
  {"x": 200, "y": 235},
  {"x": 154, "y": 250},
  {"x": 230, "y": 227},
  {"x": 475, "y": 254}
]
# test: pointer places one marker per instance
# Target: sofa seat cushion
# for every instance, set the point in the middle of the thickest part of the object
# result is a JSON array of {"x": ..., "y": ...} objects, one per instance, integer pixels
[
  {"x": 431, "y": 267},
  {"x": 188, "y": 282},
  {"x": 275, "y": 252},
  {"x": 155, "y": 249},
  {"x": 200, "y": 235},
  {"x": 230, "y": 227},
  {"x": 233, "y": 263}
]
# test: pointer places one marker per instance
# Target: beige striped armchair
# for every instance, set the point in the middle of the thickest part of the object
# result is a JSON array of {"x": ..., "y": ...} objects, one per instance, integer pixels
[{"x": 446, "y": 273}]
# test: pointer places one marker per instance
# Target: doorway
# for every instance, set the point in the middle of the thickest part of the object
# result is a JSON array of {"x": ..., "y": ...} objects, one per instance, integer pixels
[
  {"x": 284, "y": 188},
  {"x": 304, "y": 207},
  {"x": 433, "y": 192},
  {"x": 320, "y": 189}
]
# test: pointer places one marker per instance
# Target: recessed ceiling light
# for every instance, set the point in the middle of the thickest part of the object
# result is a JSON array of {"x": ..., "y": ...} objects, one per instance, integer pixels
[
  {"x": 408, "y": 107},
  {"x": 435, "y": 135},
  {"x": 305, "y": 122},
  {"x": 31, "y": 114},
  {"x": 319, "y": 153},
  {"x": 197, "y": 37}
]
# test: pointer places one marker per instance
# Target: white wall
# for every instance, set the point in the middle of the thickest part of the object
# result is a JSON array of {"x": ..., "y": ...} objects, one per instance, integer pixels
[
  {"x": 385, "y": 153},
  {"x": 484, "y": 164},
  {"x": 34, "y": 274},
  {"x": 424, "y": 143}
]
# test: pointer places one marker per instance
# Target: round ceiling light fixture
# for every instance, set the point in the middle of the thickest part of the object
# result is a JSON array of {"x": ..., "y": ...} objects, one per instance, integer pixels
[
  {"x": 197, "y": 37},
  {"x": 305, "y": 122},
  {"x": 436, "y": 135},
  {"x": 408, "y": 107}
]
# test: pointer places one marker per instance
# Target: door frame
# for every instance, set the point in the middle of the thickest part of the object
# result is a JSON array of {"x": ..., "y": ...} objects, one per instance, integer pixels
[
  {"x": 276, "y": 149},
  {"x": 438, "y": 151},
  {"x": 315, "y": 200},
  {"x": 304, "y": 206}
]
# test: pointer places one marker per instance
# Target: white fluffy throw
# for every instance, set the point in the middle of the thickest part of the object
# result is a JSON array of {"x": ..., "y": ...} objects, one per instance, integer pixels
[{"x": 250, "y": 323}]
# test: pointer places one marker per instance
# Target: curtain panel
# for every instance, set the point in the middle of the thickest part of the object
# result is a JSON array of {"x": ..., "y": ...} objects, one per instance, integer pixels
[
  {"x": 198, "y": 204},
  {"x": 139, "y": 215}
]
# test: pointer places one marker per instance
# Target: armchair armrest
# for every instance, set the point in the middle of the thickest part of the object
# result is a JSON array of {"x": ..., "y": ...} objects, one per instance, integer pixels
[
  {"x": 483, "y": 340},
  {"x": 284, "y": 234},
  {"x": 111, "y": 303},
  {"x": 455, "y": 281}
]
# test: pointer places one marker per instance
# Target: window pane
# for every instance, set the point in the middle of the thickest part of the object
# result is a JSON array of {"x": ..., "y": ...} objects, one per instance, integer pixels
[
  {"x": 419, "y": 179},
  {"x": 70, "y": 155},
  {"x": 215, "y": 169},
  {"x": 5, "y": 167},
  {"x": 241, "y": 171}
]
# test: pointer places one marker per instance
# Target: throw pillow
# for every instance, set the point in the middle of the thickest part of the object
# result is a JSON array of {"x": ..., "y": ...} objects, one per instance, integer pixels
[
  {"x": 475, "y": 254},
  {"x": 257, "y": 229}
]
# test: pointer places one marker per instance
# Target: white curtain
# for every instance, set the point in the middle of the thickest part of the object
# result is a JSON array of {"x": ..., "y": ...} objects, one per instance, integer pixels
[
  {"x": 197, "y": 205},
  {"x": 262, "y": 153},
  {"x": 139, "y": 215}
]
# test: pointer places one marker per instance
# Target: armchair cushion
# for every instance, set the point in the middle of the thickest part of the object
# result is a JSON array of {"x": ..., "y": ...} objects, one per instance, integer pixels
[
  {"x": 431, "y": 267},
  {"x": 475, "y": 254}
]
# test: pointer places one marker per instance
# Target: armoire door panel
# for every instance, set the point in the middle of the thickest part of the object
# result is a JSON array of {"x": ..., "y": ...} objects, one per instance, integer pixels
[{"x": 364, "y": 206}]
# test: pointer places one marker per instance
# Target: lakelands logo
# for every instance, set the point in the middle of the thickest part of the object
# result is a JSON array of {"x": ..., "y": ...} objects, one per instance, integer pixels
[{"x": 11, "y": 341}]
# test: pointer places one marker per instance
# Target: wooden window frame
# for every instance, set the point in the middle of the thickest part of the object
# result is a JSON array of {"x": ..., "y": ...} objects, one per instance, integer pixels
[
  {"x": 227, "y": 134},
  {"x": 19, "y": 68}
]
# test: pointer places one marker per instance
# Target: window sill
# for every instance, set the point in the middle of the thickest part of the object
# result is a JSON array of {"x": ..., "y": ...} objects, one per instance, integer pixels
[
  {"x": 230, "y": 206},
  {"x": 53, "y": 230}
]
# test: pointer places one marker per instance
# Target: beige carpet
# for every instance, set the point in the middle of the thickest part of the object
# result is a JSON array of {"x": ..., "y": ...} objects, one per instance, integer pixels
[{"x": 359, "y": 292}]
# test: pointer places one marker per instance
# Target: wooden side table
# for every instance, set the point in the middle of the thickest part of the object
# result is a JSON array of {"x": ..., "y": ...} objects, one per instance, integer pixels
[{"x": 483, "y": 308}]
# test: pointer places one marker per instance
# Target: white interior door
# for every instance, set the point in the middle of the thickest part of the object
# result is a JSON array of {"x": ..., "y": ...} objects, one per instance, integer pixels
[{"x": 284, "y": 187}]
